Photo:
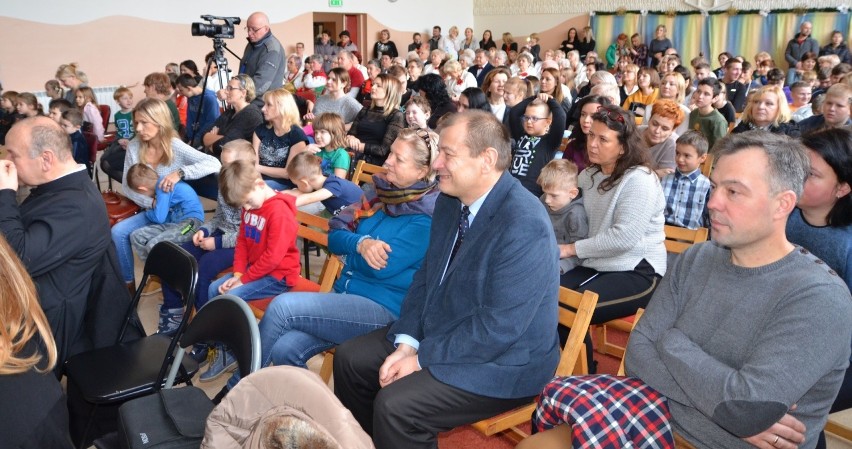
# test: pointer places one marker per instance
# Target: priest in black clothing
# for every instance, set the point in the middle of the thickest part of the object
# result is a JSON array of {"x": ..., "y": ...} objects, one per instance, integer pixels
[{"x": 61, "y": 233}]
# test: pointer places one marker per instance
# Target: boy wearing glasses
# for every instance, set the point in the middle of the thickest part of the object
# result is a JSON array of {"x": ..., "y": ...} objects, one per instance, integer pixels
[{"x": 536, "y": 136}]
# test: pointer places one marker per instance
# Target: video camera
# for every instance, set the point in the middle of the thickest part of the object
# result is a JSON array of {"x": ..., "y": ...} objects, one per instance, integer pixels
[{"x": 215, "y": 30}]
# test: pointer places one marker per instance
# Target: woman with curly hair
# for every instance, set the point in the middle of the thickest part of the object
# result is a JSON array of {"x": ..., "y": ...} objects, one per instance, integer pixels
[{"x": 433, "y": 88}]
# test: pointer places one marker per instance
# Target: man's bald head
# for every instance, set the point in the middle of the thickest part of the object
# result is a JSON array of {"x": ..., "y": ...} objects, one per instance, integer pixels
[
  {"x": 42, "y": 133},
  {"x": 257, "y": 26}
]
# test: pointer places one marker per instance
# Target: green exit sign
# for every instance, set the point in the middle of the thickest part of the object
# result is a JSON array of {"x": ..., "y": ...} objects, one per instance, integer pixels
[{"x": 335, "y": 3}]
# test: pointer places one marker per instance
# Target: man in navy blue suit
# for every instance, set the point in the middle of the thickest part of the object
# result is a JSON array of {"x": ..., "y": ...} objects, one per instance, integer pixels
[
  {"x": 482, "y": 66},
  {"x": 477, "y": 332}
]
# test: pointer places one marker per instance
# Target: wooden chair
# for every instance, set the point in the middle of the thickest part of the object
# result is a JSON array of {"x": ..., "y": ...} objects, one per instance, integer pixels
[
  {"x": 707, "y": 165},
  {"x": 677, "y": 241},
  {"x": 572, "y": 360},
  {"x": 364, "y": 172}
]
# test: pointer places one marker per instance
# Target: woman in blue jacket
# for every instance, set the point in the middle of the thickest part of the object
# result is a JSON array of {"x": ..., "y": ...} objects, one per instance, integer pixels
[{"x": 383, "y": 244}]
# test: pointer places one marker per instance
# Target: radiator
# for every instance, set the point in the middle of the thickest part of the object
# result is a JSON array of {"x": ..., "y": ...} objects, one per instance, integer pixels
[{"x": 103, "y": 94}]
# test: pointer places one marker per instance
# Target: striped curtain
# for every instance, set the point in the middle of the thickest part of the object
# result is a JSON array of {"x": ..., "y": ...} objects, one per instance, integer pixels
[
  {"x": 743, "y": 34},
  {"x": 608, "y": 27}
]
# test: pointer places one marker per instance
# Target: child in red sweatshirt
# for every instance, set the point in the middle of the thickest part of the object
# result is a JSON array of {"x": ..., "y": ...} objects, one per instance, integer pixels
[{"x": 266, "y": 259}]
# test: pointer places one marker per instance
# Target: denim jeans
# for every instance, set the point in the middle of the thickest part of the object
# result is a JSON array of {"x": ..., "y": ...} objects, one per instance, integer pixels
[
  {"x": 210, "y": 264},
  {"x": 299, "y": 325},
  {"x": 279, "y": 185},
  {"x": 121, "y": 237},
  {"x": 262, "y": 288}
]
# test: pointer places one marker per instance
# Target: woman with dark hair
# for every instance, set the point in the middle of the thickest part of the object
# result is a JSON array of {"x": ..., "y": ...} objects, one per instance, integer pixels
[
  {"x": 487, "y": 41},
  {"x": 238, "y": 121},
  {"x": 624, "y": 256},
  {"x": 335, "y": 98},
  {"x": 433, "y": 88},
  {"x": 550, "y": 85},
  {"x": 473, "y": 98},
  {"x": 375, "y": 128},
  {"x": 188, "y": 67},
  {"x": 822, "y": 221},
  {"x": 570, "y": 43},
  {"x": 838, "y": 47},
  {"x": 576, "y": 149}
]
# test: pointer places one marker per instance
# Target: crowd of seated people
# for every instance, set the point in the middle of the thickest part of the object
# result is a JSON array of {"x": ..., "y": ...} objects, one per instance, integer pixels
[{"x": 635, "y": 126}]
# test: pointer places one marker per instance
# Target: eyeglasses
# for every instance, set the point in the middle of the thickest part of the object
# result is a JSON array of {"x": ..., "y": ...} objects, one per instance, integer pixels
[
  {"x": 234, "y": 88},
  {"x": 254, "y": 30},
  {"x": 532, "y": 118},
  {"x": 605, "y": 112}
]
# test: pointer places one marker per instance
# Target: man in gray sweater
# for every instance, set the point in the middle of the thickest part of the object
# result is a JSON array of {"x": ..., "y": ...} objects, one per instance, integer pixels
[{"x": 747, "y": 336}]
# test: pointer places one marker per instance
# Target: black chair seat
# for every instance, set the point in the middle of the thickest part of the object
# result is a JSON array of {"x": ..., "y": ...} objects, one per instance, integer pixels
[{"x": 102, "y": 375}]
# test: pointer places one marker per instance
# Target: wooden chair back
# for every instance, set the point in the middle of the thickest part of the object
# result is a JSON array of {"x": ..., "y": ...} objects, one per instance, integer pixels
[
  {"x": 679, "y": 240},
  {"x": 635, "y": 320},
  {"x": 707, "y": 165},
  {"x": 364, "y": 172},
  {"x": 575, "y": 311}
]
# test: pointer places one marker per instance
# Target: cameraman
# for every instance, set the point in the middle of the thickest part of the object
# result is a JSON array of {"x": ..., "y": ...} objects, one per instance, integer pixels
[{"x": 263, "y": 59}]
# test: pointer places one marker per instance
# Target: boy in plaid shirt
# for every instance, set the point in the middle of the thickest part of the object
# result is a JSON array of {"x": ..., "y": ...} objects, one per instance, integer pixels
[{"x": 687, "y": 190}]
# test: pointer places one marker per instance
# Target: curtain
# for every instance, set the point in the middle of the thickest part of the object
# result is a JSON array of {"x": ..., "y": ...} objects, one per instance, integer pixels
[{"x": 743, "y": 34}]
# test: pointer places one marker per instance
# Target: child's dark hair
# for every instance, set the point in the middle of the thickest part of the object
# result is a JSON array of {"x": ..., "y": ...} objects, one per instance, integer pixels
[
  {"x": 30, "y": 99},
  {"x": 333, "y": 124},
  {"x": 141, "y": 175},
  {"x": 304, "y": 165},
  {"x": 713, "y": 83},
  {"x": 74, "y": 116},
  {"x": 834, "y": 146},
  {"x": 236, "y": 180},
  {"x": 696, "y": 140},
  {"x": 61, "y": 104},
  {"x": 187, "y": 81}
]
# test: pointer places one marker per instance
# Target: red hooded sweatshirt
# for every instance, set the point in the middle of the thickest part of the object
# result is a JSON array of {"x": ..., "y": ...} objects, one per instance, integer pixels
[{"x": 266, "y": 244}]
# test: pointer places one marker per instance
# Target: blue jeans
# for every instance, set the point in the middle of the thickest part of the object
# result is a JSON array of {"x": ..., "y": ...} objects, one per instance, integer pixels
[
  {"x": 210, "y": 264},
  {"x": 299, "y": 325},
  {"x": 262, "y": 288},
  {"x": 121, "y": 237},
  {"x": 279, "y": 185}
]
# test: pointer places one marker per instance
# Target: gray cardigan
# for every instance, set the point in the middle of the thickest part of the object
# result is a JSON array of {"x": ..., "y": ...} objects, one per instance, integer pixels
[
  {"x": 625, "y": 222},
  {"x": 194, "y": 163}
]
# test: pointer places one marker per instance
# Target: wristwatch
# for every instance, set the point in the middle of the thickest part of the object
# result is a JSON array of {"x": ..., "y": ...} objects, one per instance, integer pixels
[{"x": 181, "y": 173}]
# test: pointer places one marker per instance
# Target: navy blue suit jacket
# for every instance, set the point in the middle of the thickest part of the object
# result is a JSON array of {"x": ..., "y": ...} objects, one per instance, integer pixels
[
  {"x": 490, "y": 327},
  {"x": 481, "y": 78}
]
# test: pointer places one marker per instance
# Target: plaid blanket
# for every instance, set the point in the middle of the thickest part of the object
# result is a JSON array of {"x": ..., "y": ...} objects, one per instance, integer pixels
[{"x": 606, "y": 411}]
